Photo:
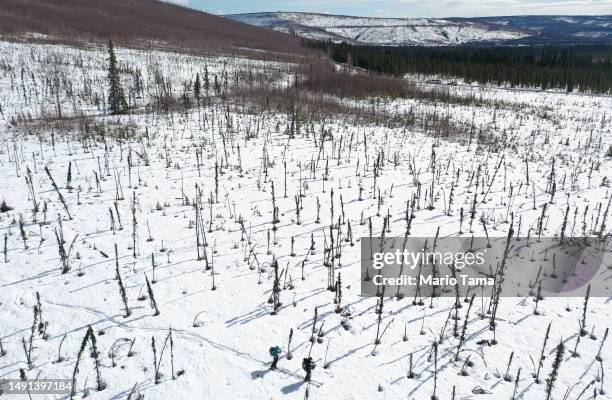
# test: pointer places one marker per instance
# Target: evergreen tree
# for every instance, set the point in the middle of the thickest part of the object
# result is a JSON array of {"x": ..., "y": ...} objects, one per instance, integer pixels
[
  {"x": 582, "y": 68},
  {"x": 216, "y": 86},
  {"x": 197, "y": 88},
  {"x": 116, "y": 97},
  {"x": 206, "y": 80}
]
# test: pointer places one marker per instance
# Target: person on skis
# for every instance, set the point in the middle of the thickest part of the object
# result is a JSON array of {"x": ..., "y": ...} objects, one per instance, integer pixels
[
  {"x": 275, "y": 353},
  {"x": 308, "y": 365}
]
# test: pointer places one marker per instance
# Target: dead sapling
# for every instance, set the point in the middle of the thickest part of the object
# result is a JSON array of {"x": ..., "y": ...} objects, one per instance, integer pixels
[
  {"x": 435, "y": 350},
  {"x": 536, "y": 375},
  {"x": 59, "y": 194},
  {"x": 90, "y": 338},
  {"x": 598, "y": 356},
  {"x": 28, "y": 346},
  {"x": 22, "y": 232},
  {"x": 465, "y": 323},
  {"x": 507, "y": 377},
  {"x": 5, "y": 251},
  {"x": 64, "y": 255},
  {"x": 157, "y": 362},
  {"x": 314, "y": 325},
  {"x": 583, "y": 330},
  {"x": 153, "y": 280},
  {"x": 575, "y": 352},
  {"x": 276, "y": 289},
  {"x": 152, "y": 301},
  {"x": 122, "y": 292},
  {"x": 338, "y": 297},
  {"x": 410, "y": 370},
  {"x": 467, "y": 363},
  {"x": 497, "y": 289},
  {"x": 212, "y": 266},
  {"x": 289, "y": 354},
  {"x": 379, "y": 337},
  {"x": 60, "y": 358},
  {"x": 516, "y": 382},
  {"x": 42, "y": 324},
  {"x": 537, "y": 299},
  {"x": 23, "y": 377},
  {"x": 325, "y": 363},
  {"x": 552, "y": 378},
  {"x": 30, "y": 184},
  {"x": 118, "y": 215},
  {"x": 157, "y": 376},
  {"x": 134, "y": 224}
]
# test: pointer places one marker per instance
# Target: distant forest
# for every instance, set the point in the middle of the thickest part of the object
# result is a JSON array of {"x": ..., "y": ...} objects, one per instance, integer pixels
[{"x": 584, "y": 68}]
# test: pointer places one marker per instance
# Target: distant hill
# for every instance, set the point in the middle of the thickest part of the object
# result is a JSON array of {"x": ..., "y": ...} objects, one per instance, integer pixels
[
  {"x": 435, "y": 31},
  {"x": 135, "y": 21},
  {"x": 558, "y": 27}
]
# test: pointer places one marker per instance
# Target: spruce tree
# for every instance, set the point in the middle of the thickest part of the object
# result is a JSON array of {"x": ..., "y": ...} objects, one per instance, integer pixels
[
  {"x": 197, "y": 89},
  {"x": 116, "y": 97}
]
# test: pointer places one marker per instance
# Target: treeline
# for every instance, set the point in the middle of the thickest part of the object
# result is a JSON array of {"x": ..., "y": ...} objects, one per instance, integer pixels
[{"x": 584, "y": 68}]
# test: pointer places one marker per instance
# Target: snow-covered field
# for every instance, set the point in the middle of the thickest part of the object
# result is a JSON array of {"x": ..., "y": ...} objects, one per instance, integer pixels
[{"x": 195, "y": 192}]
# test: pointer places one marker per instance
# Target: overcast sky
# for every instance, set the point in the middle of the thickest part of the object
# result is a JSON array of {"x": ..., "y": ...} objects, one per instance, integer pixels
[{"x": 407, "y": 8}]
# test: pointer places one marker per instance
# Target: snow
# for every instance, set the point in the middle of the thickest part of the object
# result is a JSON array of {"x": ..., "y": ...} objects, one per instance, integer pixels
[
  {"x": 381, "y": 31},
  {"x": 226, "y": 354},
  {"x": 593, "y": 34},
  {"x": 569, "y": 20},
  {"x": 429, "y": 31}
]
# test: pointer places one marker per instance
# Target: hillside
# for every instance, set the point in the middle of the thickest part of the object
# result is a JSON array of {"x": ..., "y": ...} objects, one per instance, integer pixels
[
  {"x": 131, "y": 22},
  {"x": 559, "y": 27},
  {"x": 433, "y": 31}
]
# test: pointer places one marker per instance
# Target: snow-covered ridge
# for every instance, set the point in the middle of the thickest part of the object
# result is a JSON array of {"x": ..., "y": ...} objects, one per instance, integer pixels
[
  {"x": 380, "y": 31},
  {"x": 433, "y": 31}
]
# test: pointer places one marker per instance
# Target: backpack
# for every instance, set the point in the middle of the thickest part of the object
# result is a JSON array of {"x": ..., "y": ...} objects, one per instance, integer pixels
[
  {"x": 308, "y": 364},
  {"x": 275, "y": 351}
]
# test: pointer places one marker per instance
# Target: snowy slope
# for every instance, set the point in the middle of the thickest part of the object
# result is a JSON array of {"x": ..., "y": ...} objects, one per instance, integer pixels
[
  {"x": 382, "y": 31},
  {"x": 141, "y": 188},
  {"x": 559, "y": 27},
  {"x": 432, "y": 31}
]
